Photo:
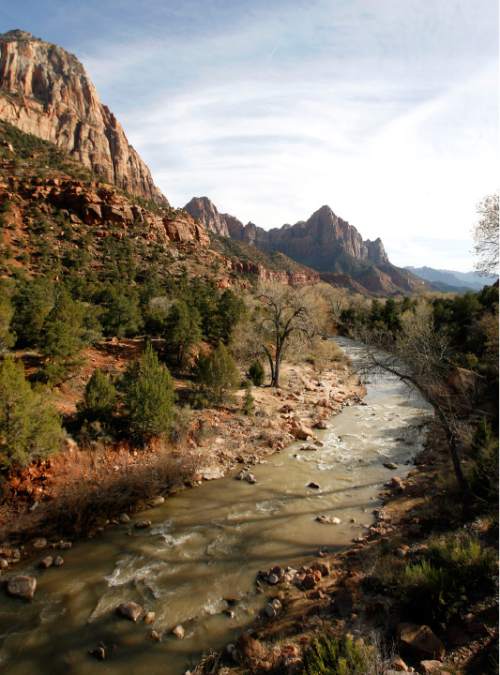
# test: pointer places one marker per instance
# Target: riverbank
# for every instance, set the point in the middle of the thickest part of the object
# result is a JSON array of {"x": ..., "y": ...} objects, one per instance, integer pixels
[
  {"x": 349, "y": 593},
  {"x": 82, "y": 491}
]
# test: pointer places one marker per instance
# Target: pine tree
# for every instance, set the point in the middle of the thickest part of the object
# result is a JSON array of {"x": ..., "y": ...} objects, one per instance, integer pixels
[
  {"x": 218, "y": 374},
  {"x": 99, "y": 398},
  {"x": 256, "y": 373},
  {"x": 29, "y": 426},
  {"x": 149, "y": 397},
  {"x": 32, "y": 301},
  {"x": 6, "y": 314},
  {"x": 182, "y": 331},
  {"x": 63, "y": 335}
]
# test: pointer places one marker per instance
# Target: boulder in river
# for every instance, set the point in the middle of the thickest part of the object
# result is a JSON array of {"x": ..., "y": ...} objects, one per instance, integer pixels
[
  {"x": 58, "y": 561},
  {"x": 327, "y": 520},
  {"x": 142, "y": 524},
  {"x": 149, "y": 618},
  {"x": 129, "y": 610},
  {"x": 390, "y": 465},
  {"x": 179, "y": 632},
  {"x": 46, "y": 562},
  {"x": 309, "y": 448},
  {"x": 99, "y": 652},
  {"x": 39, "y": 544},
  {"x": 313, "y": 485},
  {"x": 22, "y": 586},
  {"x": 245, "y": 475},
  {"x": 124, "y": 518}
]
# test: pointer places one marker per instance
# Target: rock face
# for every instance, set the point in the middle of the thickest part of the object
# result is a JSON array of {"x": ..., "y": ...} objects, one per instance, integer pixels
[
  {"x": 45, "y": 91},
  {"x": 324, "y": 242},
  {"x": 202, "y": 209},
  {"x": 103, "y": 208}
]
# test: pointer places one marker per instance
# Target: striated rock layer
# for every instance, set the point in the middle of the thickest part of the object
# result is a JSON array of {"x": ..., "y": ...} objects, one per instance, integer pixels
[{"x": 45, "y": 91}]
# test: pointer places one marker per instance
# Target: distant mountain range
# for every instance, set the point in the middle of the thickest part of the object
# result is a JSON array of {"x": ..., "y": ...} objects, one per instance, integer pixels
[
  {"x": 324, "y": 242},
  {"x": 450, "y": 280}
]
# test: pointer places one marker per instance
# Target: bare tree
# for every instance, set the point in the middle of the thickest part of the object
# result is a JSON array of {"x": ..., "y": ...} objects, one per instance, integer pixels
[
  {"x": 486, "y": 236},
  {"x": 283, "y": 313},
  {"x": 419, "y": 357}
]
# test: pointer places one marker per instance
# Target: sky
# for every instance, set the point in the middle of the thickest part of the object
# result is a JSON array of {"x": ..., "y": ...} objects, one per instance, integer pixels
[{"x": 386, "y": 110}]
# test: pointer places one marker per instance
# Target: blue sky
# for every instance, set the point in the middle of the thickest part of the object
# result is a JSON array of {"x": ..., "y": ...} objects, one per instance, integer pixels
[{"x": 386, "y": 110}]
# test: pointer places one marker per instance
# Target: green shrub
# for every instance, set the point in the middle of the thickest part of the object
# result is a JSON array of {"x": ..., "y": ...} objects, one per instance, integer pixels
[
  {"x": 217, "y": 374},
  {"x": 149, "y": 397},
  {"x": 248, "y": 401},
  {"x": 455, "y": 568},
  {"x": 484, "y": 472},
  {"x": 256, "y": 373},
  {"x": 32, "y": 301},
  {"x": 29, "y": 426},
  {"x": 329, "y": 655},
  {"x": 6, "y": 314},
  {"x": 99, "y": 398}
]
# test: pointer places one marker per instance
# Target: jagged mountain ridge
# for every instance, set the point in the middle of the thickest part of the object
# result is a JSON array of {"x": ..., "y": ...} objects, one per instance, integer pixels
[
  {"x": 45, "y": 91},
  {"x": 324, "y": 242}
]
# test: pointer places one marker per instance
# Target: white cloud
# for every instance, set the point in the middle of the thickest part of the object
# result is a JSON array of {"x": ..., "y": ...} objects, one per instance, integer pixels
[{"x": 386, "y": 111}]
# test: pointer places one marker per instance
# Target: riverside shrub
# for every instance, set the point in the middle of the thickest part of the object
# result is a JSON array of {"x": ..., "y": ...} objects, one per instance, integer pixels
[
  {"x": 99, "y": 398},
  {"x": 217, "y": 374},
  {"x": 30, "y": 427},
  {"x": 149, "y": 397},
  {"x": 256, "y": 373}
]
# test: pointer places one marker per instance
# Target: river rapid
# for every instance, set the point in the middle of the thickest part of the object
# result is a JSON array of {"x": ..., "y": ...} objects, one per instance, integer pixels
[{"x": 207, "y": 544}]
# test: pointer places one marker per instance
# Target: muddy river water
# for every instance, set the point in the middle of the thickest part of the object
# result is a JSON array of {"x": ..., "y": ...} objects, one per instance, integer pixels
[{"x": 207, "y": 544}]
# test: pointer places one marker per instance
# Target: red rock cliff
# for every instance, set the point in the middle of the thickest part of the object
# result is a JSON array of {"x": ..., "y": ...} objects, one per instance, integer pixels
[{"x": 45, "y": 91}]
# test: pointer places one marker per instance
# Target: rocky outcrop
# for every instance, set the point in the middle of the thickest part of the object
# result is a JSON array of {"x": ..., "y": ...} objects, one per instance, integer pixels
[
  {"x": 106, "y": 210},
  {"x": 45, "y": 91},
  {"x": 324, "y": 242},
  {"x": 203, "y": 210},
  {"x": 319, "y": 242}
]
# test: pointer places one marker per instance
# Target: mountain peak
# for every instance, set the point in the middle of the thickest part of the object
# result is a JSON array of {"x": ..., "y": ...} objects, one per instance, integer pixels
[{"x": 17, "y": 34}]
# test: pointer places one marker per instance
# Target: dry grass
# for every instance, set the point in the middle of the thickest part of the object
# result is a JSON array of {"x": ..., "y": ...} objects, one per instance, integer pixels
[{"x": 95, "y": 485}]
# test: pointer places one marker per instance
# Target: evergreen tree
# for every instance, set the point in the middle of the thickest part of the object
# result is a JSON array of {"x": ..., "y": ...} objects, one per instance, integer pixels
[
  {"x": 256, "y": 373},
  {"x": 229, "y": 310},
  {"x": 29, "y": 427},
  {"x": 6, "y": 314},
  {"x": 122, "y": 313},
  {"x": 99, "y": 398},
  {"x": 32, "y": 301},
  {"x": 149, "y": 397},
  {"x": 217, "y": 374},
  {"x": 182, "y": 331}
]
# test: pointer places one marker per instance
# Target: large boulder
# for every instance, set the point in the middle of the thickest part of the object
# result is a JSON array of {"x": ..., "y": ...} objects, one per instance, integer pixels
[
  {"x": 22, "y": 586},
  {"x": 129, "y": 610},
  {"x": 421, "y": 640}
]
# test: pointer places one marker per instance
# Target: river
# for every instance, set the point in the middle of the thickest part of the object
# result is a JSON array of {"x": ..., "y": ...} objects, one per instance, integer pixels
[{"x": 207, "y": 544}]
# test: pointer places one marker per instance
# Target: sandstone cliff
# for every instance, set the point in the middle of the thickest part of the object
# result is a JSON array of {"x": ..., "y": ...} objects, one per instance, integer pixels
[
  {"x": 324, "y": 242},
  {"x": 45, "y": 91}
]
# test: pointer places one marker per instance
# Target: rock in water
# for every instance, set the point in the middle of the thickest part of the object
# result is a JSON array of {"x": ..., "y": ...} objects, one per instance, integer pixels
[
  {"x": 390, "y": 465},
  {"x": 46, "y": 562},
  {"x": 142, "y": 524},
  {"x": 129, "y": 610},
  {"x": 179, "y": 632},
  {"x": 313, "y": 485},
  {"x": 22, "y": 586}
]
